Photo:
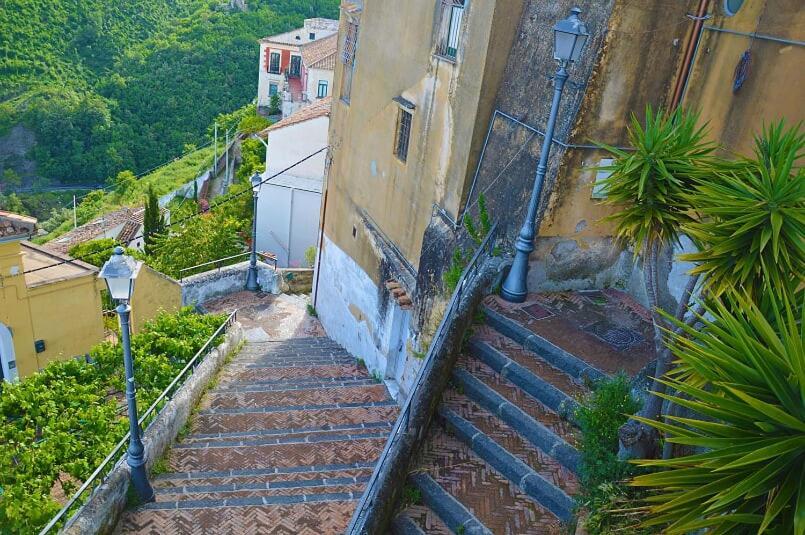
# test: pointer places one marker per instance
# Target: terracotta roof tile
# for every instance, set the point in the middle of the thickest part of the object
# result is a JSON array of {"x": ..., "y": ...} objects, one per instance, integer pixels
[
  {"x": 320, "y": 54},
  {"x": 320, "y": 108},
  {"x": 95, "y": 228}
]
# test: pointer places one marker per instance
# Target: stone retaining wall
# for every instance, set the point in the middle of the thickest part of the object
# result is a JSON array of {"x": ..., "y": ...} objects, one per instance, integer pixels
[{"x": 200, "y": 288}]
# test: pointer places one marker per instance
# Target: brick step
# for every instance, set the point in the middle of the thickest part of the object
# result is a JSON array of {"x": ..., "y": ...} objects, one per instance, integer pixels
[
  {"x": 251, "y": 421},
  {"x": 291, "y": 398},
  {"x": 267, "y": 456},
  {"x": 250, "y": 375},
  {"x": 328, "y": 514},
  {"x": 275, "y": 476},
  {"x": 252, "y": 501},
  {"x": 284, "y": 408},
  {"x": 510, "y": 392},
  {"x": 286, "y": 385},
  {"x": 210, "y": 492},
  {"x": 257, "y": 353},
  {"x": 291, "y": 363},
  {"x": 291, "y": 432},
  {"x": 449, "y": 509},
  {"x": 550, "y": 386},
  {"x": 548, "y": 351},
  {"x": 527, "y": 426},
  {"x": 510, "y": 439},
  {"x": 418, "y": 519},
  {"x": 304, "y": 438},
  {"x": 497, "y": 503}
]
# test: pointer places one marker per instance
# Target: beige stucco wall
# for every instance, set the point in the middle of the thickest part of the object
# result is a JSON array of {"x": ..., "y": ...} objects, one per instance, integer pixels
[
  {"x": 775, "y": 87},
  {"x": 453, "y": 105},
  {"x": 15, "y": 313},
  {"x": 153, "y": 292}
]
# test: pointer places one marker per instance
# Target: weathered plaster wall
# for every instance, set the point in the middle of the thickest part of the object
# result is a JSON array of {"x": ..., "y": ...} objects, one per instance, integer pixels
[
  {"x": 775, "y": 88},
  {"x": 153, "y": 292},
  {"x": 15, "y": 314}
]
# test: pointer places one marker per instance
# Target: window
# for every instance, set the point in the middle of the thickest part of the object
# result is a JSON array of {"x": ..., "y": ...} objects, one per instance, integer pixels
[
  {"x": 312, "y": 36},
  {"x": 452, "y": 13},
  {"x": 274, "y": 63},
  {"x": 348, "y": 59},
  {"x": 322, "y": 90},
  {"x": 272, "y": 90},
  {"x": 295, "y": 70},
  {"x": 403, "y": 134},
  {"x": 731, "y": 7}
]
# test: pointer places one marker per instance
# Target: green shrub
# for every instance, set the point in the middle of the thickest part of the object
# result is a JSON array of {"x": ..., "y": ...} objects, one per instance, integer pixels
[{"x": 599, "y": 416}]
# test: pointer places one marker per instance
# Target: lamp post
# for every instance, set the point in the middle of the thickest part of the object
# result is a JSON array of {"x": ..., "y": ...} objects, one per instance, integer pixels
[
  {"x": 570, "y": 35},
  {"x": 251, "y": 277},
  {"x": 119, "y": 274}
]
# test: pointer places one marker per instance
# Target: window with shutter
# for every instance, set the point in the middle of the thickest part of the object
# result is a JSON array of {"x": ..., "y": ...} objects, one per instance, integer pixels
[
  {"x": 449, "y": 38},
  {"x": 348, "y": 59}
]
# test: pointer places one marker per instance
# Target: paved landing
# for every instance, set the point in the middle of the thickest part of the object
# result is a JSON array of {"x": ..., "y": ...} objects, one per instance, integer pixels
[{"x": 285, "y": 442}]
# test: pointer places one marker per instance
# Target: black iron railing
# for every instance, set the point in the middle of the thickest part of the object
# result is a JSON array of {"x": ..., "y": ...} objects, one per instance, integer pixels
[{"x": 223, "y": 262}]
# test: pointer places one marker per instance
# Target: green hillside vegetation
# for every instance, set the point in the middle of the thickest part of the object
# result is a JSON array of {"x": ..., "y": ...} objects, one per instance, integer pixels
[{"x": 126, "y": 84}]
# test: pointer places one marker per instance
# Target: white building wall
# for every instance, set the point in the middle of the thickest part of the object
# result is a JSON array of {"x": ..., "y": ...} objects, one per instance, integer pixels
[
  {"x": 313, "y": 77},
  {"x": 264, "y": 79},
  {"x": 292, "y": 143}
]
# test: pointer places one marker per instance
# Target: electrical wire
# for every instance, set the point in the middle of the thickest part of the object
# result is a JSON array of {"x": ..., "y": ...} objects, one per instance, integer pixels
[{"x": 229, "y": 198}]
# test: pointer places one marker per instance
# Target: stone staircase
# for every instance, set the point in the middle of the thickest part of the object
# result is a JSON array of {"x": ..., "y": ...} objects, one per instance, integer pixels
[
  {"x": 283, "y": 443},
  {"x": 501, "y": 457}
]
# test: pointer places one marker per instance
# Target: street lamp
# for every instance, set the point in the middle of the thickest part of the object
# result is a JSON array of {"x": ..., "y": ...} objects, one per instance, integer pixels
[
  {"x": 251, "y": 277},
  {"x": 569, "y": 36},
  {"x": 119, "y": 274}
]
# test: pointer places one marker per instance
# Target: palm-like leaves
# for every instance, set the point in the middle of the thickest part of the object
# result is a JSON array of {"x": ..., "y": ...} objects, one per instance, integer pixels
[
  {"x": 650, "y": 182},
  {"x": 753, "y": 217},
  {"x": 743, "y": 376}
]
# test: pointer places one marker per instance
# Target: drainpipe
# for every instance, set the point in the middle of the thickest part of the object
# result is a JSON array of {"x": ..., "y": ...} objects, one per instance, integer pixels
[{"x": 690, "y": 49}]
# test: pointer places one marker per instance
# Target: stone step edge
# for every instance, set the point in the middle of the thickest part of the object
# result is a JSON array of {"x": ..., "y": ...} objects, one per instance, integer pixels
[
  {"x": 519, "y": 473},
  {"x": 253, "y": 501},
  {"x": 268, "y": 485},
  {"x": 403, "y": 524},
  {"x": 452, "y": 512},
  {"x": 257, "y": 472},
  {"x": 289, "y": 431},
  {"x": 266, "y": 386},
  {"x": 300, "y": 364},
  {"x": 548, "y": 351},
  {"x": 269, "y": 409},
  {"x": 532, "y": 430},
  {"x": 529, "y": 382},
  {"x": 279, "y": 441}
]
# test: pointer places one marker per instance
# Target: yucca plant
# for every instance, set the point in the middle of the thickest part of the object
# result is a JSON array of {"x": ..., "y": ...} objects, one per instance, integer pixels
[
  {"x": 743, "y": 378},
  {"x": 752, "y": 217},
  {"x": 650, "y": 185}
]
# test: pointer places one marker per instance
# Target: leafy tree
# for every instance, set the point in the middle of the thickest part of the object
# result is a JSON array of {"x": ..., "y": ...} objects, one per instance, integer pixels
[
  {"x": 123, "y": 182},
  {"x": 97, "y": 252},
  {"x": 12, "y": 203},
  {"x": 11, "y": 179}
]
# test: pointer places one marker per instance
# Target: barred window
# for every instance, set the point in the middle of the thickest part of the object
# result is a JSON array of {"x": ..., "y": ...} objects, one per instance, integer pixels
[
  {"x": 452, "y": 13},
  {"x": 348, "y": 59},
  {"x": 403, "y": 134}
]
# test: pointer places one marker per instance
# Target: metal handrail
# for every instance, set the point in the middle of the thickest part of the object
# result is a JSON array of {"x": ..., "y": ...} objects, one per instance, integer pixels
[
  {"x": 486, "y": 248},
  {"x": 219, "y": 263},
  {"x": 150, "y": 415}
]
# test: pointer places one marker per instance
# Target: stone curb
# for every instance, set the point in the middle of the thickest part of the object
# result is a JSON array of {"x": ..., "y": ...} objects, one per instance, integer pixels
[
  {"x": 102, "y": 511},
  {"x": 536, "y": 433},
  {"x": 303, "y": 469},
  {"x": 403, "y": 525},
  {"x": 532, "y": 384},
  {"x": 515, "y": 470},
  {"x": 255, "y": 501},
  {"x": 451, "y": 511},
  {"x": 547, "y": 350}
]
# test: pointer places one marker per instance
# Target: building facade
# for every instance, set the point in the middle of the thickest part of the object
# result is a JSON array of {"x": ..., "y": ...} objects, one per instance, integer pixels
[
  {"x": 281, "y": 69},
  {"x": 417, "y": 137},
  {"x": 45, "y": 314},
  {"x": 288, "y": 204}
]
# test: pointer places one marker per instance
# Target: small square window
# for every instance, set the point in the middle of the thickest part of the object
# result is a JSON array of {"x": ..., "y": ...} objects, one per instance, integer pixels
[
  {"x": 404, "y": 120},
  {"x": 322, "y": 89},
  {"x": 312, "y": 36},
  {"x": 273, "y": 89}
]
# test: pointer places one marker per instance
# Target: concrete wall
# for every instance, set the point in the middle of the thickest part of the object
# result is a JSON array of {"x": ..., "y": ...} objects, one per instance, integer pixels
[
  {"x": 231, "y": 279},
  {"x": 289, "y": 144},
  {"x": 154, "y": 292},
  {"x": 288, "y": 222}
]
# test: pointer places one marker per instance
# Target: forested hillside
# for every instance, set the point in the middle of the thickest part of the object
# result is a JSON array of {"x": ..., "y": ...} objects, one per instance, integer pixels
[{"x": 110, "y": 85}]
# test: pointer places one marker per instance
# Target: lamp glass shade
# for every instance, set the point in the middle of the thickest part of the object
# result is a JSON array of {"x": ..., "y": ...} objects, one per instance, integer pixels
[
  {"x": 119, "y": 273},
  {"x": 257, "y": 181},
  {"x": 570, "y": 36}
]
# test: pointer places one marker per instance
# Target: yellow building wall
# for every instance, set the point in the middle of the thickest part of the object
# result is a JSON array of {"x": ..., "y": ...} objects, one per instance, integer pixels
[
  {"x": 14, "y": 310},
  {"x": 153, "y": 292},
  {"x": 453, "y": 106},
  {"x": 67, "y": 316}
]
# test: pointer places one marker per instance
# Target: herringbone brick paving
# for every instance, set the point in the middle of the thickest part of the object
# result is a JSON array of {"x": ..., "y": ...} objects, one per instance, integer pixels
[{"x": 284, "y": 443}]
